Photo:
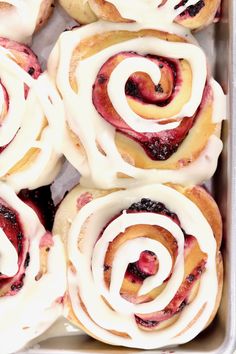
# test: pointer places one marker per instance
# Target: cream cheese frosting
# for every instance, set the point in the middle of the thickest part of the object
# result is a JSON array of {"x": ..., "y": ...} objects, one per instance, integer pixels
[
  {"x": 148, "y": 11},
  {"x": 8, "y": 256},
  {"x": 103, "y": 161},
  {"x": 27, "y": 127},
  {"x": 165, "y": 13},
  {"x": 35, "y": 307},
  {"x": 19, "y": 21},
  {"x": 87, "y": 252}
]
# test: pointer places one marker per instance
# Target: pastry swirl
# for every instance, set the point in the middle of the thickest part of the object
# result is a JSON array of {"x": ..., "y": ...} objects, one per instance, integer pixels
[
  {"x": 140, "y": 262},
  {"x": 192, "y": 14},
  {"x": 152, "y": 111},
  {"x": 27, "y": 155},
  {"x": 30, "y": 289}
]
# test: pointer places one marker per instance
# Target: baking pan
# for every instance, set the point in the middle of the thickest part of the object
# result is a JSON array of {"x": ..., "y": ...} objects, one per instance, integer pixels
[{"x": 220, "y": 337}]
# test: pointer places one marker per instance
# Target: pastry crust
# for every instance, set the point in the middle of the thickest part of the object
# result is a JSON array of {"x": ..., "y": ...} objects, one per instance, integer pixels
[
  {"x": 46, "y": 10},
  {"x": 205, "y": 16},
  {"x": 79, "y": 10}
]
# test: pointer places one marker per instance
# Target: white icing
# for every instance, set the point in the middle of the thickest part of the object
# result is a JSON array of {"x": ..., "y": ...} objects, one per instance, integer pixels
[
  {"x": 33, "y": 309},
  {"x": 29, "y": 123},
  {"x": 99, "y": 169},
  {"x": 220, "y": 107},
  {"x": 161, "y": 12},
  {"x": 1, "y": 99},
  {"x": 145, "y": 11},
  {"x": 116, "y": 91},
  {"x": 19, "y": 22},
  {"x": 193, "y": 54},
  {"x": 86, "y": 252},
  {"x": 8, "y": 256}
]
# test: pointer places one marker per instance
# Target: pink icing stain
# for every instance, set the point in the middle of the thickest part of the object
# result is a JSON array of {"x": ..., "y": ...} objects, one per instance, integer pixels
[
  {"x": 46, "y": 240},
  {"x": 83, "y": 199}
]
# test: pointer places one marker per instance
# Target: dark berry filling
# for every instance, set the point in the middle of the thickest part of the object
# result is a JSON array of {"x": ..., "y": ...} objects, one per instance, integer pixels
[
  {"x": 40, "y": 200},
  {"x": 193, "y": 10},
  {"x": 145, "y": 323},
  {"x": 146, "y": 266},
  {"x": 181, "y": 3},
  {"x": 177, "y": 304},
  {"x": 138, "y": 88},
  {"x": 148, "y": 205},
  {"x": 16, "y": 286},
  {"x": 132, "y": 89},
  {"x": 27, "y": 260},
  {"x": 31, "y": 71},
  {"x": 159, "y": 150},
  {"x": 11, "y": 226}
]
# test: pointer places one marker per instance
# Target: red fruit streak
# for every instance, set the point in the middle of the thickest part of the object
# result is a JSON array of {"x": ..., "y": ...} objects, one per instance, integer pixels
[
  {"x": 158, "y": 146},
  {"x": 181, "y": 296}
]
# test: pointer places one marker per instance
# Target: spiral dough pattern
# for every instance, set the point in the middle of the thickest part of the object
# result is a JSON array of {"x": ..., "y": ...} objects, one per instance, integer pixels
[
  {"x": 147, "y": 98},
  {"x": 27, "y": 155},
  {"x": 140, "y": 262}
]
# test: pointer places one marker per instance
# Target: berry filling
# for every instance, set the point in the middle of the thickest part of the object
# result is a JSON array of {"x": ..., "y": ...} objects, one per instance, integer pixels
[
  {"x": 146, "y": 266},
  {"x": 23, "y": 56},
  {"x": 40, "y": 200},
  {"x": 181, "y": 3},
  {"x": 11, "y": 226},
  {"x": 140, "y": 88},
  {"x": 148, "y": 205},
  {"x": 192, "y": 10},
  {"x": 177, "y": 304}
]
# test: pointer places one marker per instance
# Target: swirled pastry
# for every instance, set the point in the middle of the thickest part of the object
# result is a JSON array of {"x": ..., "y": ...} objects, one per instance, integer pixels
[
  {"x": 193, "y": 14},
  {"x": 144, "y": 266},
  {"x": 19, "y": 19},
  {"x": 27, "y": 155},
  {"x": 32, "y": 273},
  {"x": 140, "y": 105}
]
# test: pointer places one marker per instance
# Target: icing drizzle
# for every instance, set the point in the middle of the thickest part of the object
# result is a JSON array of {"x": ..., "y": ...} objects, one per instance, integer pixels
[{"x": 18, "y": 22}]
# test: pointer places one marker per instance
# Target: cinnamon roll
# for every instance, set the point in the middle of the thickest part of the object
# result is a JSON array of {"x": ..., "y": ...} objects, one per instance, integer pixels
[
  {"x": 32, "y": 273},
  {"x": 192, "y": 14},
  {"x": 19, "y": 19},
  {"x": 140, "y": 262},
  {"x": 140, "y": 105},
  {"x": 27, "y": 155}
]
